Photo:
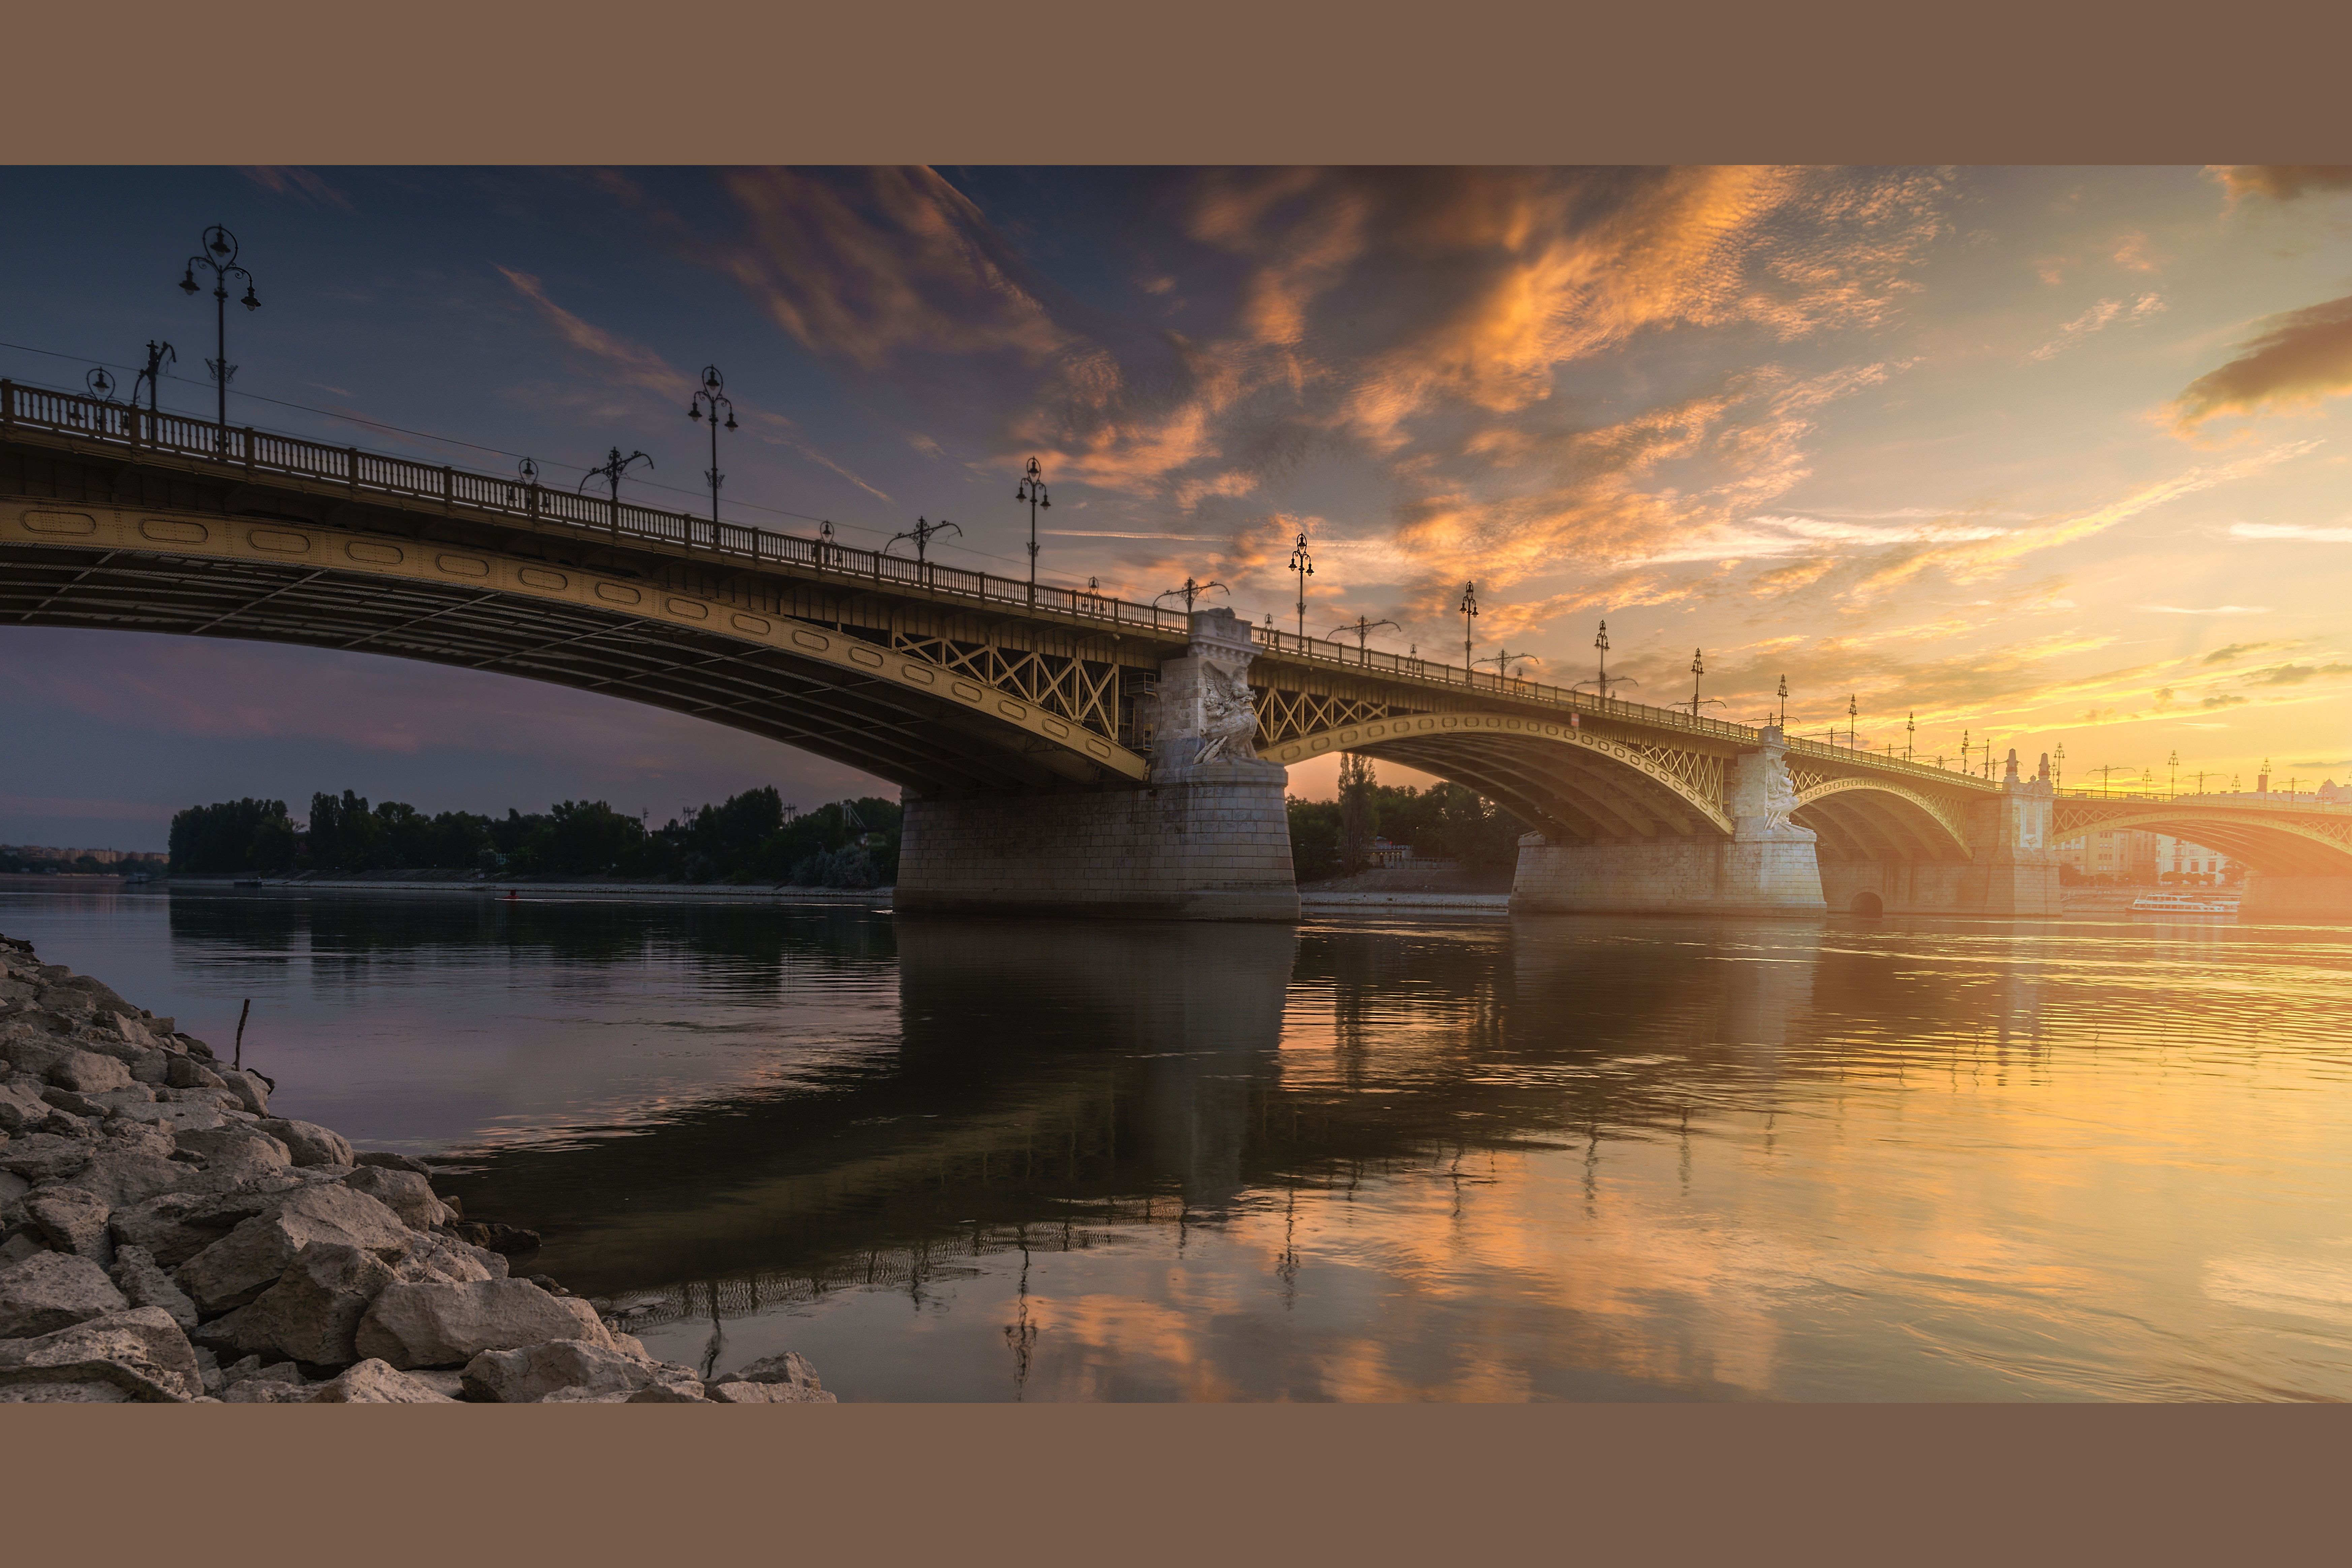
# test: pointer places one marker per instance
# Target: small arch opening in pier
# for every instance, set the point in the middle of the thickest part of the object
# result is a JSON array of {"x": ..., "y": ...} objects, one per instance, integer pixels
[{"x": 1868, "y": 904}]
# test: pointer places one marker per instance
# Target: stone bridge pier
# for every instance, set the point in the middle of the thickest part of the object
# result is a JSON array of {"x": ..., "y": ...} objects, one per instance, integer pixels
[
  {"x": 1207, "y": 836},
  {"x": 1765, "y": 866}
]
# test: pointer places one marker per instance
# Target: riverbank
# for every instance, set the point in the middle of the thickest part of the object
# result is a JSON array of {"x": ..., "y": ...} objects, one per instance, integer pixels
[
  {"x": 531, "y": 887},
  {"x": 164, "y": 1238}
]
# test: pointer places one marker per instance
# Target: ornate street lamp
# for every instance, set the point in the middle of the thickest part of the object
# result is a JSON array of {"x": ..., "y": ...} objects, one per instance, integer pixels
[
  {"x": 610, "y": 471},
  {"x": 1469, "y": 608},
  {"x": 158, "y": 355},
  {"x": 1698, "y": 668},
  {"x": 1190, "y": 592},
  {"x": 1852, "y": 712},
  {"x": 922, "y": 533},
  {"x": 1503, "y": 660},
  {"x": 219, "y": 254},
  {"x": 711, "y": 395},
  {"x": 1784, "y": 705},
  {"x": 1032, "y": 488},
  {"x": 1363, "y": 630},
  {"x": 1910, "y": 728},
  {"x": 1604, "y": 679},
  {"x": 1302, "y": 563}
]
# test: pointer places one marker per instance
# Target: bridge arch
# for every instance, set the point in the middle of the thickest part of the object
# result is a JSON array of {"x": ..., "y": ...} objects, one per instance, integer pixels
[
  {"x": 2261, "y": 837},
  {"x": 1870, "y": 819},
  {"x": 558, "y": 618},
  {"x": 1574, "y": 784}
]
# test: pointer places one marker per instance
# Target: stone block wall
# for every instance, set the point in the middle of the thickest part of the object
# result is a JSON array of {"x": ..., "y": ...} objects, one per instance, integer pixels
[
  {"x": 1205, "y": 847},
  {"x": 1680, "y": 876}
]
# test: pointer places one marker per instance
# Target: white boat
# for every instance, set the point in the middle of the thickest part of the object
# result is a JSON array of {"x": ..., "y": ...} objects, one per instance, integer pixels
[{"x": 2181, "y": 904}]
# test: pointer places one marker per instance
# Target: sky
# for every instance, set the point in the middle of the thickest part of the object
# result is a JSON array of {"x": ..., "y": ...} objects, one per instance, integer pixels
[{"x": 2055, "y": 456}]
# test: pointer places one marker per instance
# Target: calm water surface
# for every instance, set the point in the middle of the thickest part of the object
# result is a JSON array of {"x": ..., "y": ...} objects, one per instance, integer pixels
[{"x": 1545, "y": 1159}]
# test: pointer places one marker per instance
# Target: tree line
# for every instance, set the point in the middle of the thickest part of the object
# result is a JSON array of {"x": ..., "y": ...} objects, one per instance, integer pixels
[
  {"x": 1444, "y": 821},
  {"x": 747, "y": 839}
]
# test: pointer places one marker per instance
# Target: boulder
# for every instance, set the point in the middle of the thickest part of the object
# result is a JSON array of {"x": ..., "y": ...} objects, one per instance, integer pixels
[
  {"x": 74, "y": 1103},
  {"x": 239, "y": 1267},
  {"x": 431, "y": 1258},
  {"x": 311, "y": 1312},
  {"x": 187, "y": 1072},
  {"x": 235, "y": 1146},
  {"x": 573, "y": 1368},
  {"x": 87, "y": 1072},
  {"x": 789, "y": 1368},
  {"x": 374, "y": 1382},
  {"x": 766, "y": 1394},
  {"x": 249, "y": 1087},
  {"x": 53, "y": 1290},
  {"x": 671, "y": 1393},
  {"x": 140, "y": 1350},
  {"x": 141, "y": 1279},
  {"x": 153, "y": 1068},
  {"x": 389, "y": 1161},
  {"x": 509, "y": 1240},
  {"x": 45, "y": 1157},
  {"x": 436, "y": 1324},
  {"x": 125, "y": 1176},
  {"x": 255, "y": 1391},
  {"x": 21, "y": 1106},
  {"x": 21, "y": 1244},
  {"x": 310, "y": 1144},
  {"x": 404, "y": 1193},
  {"x": 68, "y": 1392},
  {"x": 172, "y": 1115},
  {"x": 35, "y": 1056},
  {"x": 72, "y": 1220},
  {"x": 174, "y": 1227}
]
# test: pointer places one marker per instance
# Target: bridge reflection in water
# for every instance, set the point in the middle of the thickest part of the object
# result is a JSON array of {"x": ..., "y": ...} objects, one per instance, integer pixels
[{"x": 1068, "y": 1088}]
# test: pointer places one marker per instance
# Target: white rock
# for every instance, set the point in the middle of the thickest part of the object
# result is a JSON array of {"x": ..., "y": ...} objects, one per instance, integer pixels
[
  {"x": 87, "y": 1072},
  {"x": 239, "y": 1267},
  {"x": 373, "y": 1382},
  {"x": 141, "y": 1351},
  {"x": 312, "y": 1312},
  {"x": 573, "y": 1368},
  {"x": 141, "y": 1278},
  {"x": 433, "y": 1324},
  {"x": 72, "y": 1220},
  {"x": 53, "y": 1290},
  {"x": 310, "y": 1144},
  {"x": 404, "y": 1193}
]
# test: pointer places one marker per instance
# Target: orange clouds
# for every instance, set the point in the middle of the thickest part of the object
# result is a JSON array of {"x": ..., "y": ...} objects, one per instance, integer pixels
[
  {"x": 2283, "y": 182},
  {"x": 2301, "y": 358}
]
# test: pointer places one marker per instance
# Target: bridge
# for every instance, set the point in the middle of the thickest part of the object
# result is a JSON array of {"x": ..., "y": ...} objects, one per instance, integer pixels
[{"x": 1057, "y": 748}]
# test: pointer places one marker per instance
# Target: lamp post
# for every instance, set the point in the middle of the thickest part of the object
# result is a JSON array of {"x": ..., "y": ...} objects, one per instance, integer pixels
[
  {"x": 613, "y": 466},
  {"x": 2173, "y": 761},
  {"x": 1698, "y": 668},
  {"x": 1469, "y": 608},
  {"x": 1784, "y": 705},
  {"x": 1910, "y": 730},
  {"x": 1302, "y": 565},
  {"x": 711, "y": 395},
  {"x": 158, "y": 355},
  {"x": 2058, "y": 766},
  {"x": 219, "y": 254},
  {"x": 1601, "y": 681},
  {"x": 1363, "y": 630},
  {"x": 922, "y": 533},
  {"x": 1192, "y": 591},
  {"x": 1852, "y": 712},
  {"x": 1032, "y": 488},
  {"x": 1503, "y": 660}
]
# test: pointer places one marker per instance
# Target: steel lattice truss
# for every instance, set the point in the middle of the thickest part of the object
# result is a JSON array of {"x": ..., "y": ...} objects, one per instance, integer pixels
[
  {"x": 1088, "y": 692},
  {"x": 1286, "y": 715}
]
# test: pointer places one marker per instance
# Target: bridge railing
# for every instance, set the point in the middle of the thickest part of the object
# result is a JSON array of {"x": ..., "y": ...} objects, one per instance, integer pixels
[
  {"x": 244, "y": 449},
  {"x": 2250, "y": 800}
]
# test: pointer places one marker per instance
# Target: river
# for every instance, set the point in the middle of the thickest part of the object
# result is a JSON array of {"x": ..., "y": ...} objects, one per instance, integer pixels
[{"x": 1555, "y": 1158}]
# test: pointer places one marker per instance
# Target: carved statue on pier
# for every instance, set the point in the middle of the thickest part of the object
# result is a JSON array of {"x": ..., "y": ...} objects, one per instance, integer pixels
[{"x": 1228, "y": 717}]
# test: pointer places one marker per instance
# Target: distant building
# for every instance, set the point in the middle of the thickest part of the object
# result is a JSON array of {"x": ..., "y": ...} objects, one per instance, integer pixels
[
  {"x": 2178, "y": 860},
  {"x": 2118, "y": 854},
  {"x": 2334, "y": 792}
]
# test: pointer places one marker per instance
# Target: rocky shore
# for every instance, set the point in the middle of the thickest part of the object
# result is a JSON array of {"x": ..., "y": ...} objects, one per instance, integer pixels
[{"x": 164, "y": 1238}]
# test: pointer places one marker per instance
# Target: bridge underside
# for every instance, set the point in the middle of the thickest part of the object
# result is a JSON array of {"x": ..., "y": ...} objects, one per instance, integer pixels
[
  {"x": 1570, "y": 797},
  {"x": 929, "y": 745}
]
